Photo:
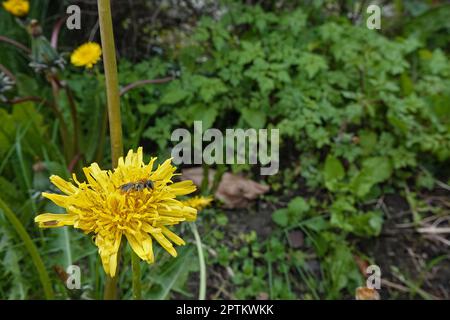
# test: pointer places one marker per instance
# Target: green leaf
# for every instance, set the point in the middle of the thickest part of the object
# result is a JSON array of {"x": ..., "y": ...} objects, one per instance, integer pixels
[
  {"x": 333, "y": 172},
  {"x": 281, "y": 217},
  {"x": 298, "y": 206},
  {"x": 174, "y": 94},
  {"x": 365, "y": 224},
  {"x": 198, "y": 112},
  {"x": 374, "y": 170},
  {"x": 316, "y": 223},
  {"x": 407, "y": 84},
  {"x": 255, "y": 118},
  {"x": 312, "y": 64},
  {"x": 11, "y": 265},
  {"x": 210, "y": 87},
  {"x": 342, "y": 270},
  {"x": 27, "y": 85},
  {"x": 368, "y": 141},
  {"x": 375, "y": 222},
  {"x": 149, "y": 109}
]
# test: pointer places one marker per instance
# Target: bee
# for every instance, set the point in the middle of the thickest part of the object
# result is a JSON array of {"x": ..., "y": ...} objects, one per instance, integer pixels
[{"x": 137, "y": 186}]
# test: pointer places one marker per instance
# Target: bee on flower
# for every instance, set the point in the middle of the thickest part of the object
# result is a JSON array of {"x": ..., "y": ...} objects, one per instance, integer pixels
[
  {"x": 18, "y": 8},
  {"x": 86, "y": 55},
  {"x": 102, "y": 206}
]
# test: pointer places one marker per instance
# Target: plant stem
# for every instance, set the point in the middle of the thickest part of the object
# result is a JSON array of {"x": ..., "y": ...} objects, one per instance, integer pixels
[
  {"x": 205, "y": 182},
  {"x": 101, "y": 143},
  {"x": 201, "y": 261},
  {"x": 15, "y": 43},
  {"x": 75, "y": 123},
  {"x": 110, "y": 292},
  {"x": 31, "y": 248},
  {"x": 136, "y": 268},
  {"x": 113, "y": 99},
  {"x": 112, "y": 84},
  {"x": 55, "y": 32},
  {"x": 139, "y": 83}
]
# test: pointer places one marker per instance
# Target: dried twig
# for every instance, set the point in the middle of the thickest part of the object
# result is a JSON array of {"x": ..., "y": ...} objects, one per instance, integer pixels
[
  {"x": 393, "y": 285},
  {"x": 438, "y": 238},
  {"x": 433, "y": 230},
  {"x": 15, "y": 43},
  {"x": 143, "y": 82},
  {"x": 55, "y": 32}
]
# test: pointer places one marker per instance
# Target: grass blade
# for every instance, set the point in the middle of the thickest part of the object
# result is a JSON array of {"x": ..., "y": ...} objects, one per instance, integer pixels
[{"x": 31, "y": 248}]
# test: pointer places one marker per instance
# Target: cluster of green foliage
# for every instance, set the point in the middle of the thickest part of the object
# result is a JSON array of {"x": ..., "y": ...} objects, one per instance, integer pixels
[{"x": 364, "y": 113}]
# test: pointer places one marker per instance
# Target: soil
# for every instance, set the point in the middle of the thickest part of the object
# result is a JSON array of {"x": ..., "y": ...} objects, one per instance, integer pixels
[
  {"x": 409, "y": 252},
  {"x": 397, "y": 248}
]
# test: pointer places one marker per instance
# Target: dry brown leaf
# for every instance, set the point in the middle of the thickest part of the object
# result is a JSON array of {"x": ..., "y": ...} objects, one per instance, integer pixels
[
  {"x": 364, "y": 293},
  {"x": 362, "y": 264},
  {"x": 262, "y": 296},
  {"x": 235, "y": 191}
]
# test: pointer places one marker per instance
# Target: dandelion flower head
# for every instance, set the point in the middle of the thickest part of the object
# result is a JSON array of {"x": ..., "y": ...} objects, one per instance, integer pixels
[
  {"x": 101, "y": 207},
  {"x": 18, "y": 8},
  {"x": 86, "y": 55}
]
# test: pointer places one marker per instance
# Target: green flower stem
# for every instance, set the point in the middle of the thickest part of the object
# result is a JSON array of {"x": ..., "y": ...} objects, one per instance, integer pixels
[
  {"x": 136, "y": 268},
  {"x": 102, "y": 135},
  {"x": 112, "y": 84},
  {"x": 201, "y": 261},
  {"x": 205, "y": 182},
  {"x": 31, "y": 248},
  {"x": 110, "y": 292},
  {"x": 113, "y": 99}
]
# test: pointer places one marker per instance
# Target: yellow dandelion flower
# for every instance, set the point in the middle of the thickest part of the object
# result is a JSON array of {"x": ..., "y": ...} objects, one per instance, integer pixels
[
  {"x": 86, "y": 55},
  {"x": 198, "y": 203},
  {"x": 18, "y": 8},
  {"x": 133, "y": 200}
]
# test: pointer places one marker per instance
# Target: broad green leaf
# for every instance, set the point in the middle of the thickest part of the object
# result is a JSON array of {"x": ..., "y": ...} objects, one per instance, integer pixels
[
  {"x": 298, "y": 206},
  {"x": 149, "y": 109},
  {"x": 210, "y": 87},
  {"x": 254, "y": 118},
  {"x": 333, "y": 172},
  {"x": 374, "y": 170},
  {"x": 368, "y": 141},
  {"x": 316, "y": 224},
  {"x": 174, "y": 94},
  {"x": 281, "y": 217}
]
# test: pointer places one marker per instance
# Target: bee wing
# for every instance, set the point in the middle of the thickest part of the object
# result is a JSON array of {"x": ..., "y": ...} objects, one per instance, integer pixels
[{"x": 126, "y": 187}]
